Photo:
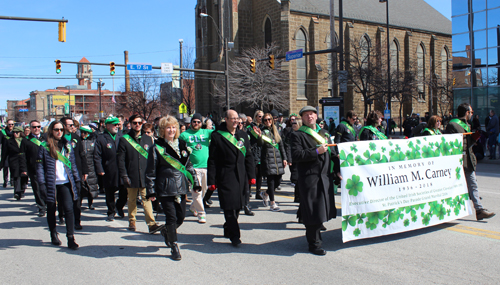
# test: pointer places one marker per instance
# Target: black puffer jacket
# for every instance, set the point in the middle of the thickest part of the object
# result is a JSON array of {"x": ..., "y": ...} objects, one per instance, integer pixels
[
  {"x": 162, "y": 179},
  {"x": 46, "y": 172},
  {"x": 271, "y": 158},
  {"x": 90, "y": 186},
  {"x": 254, "y": 146}
]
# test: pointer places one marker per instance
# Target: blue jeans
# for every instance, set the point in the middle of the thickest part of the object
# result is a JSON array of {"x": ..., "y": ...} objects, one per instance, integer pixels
[
  {"x": 492, "y": 143},
  {"x": 470, "y": 177}
]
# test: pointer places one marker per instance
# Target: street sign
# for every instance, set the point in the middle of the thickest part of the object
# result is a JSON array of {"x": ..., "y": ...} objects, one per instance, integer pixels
[
  {"x": 139, "y": 66},
  {"x": 24, "y": 110},
  {"x": 167, "y": 67},
  {"x": 66, "y": 108},
  {"x": 387, "y": 114},
  {"x": 294, "y": 54},
  {"x": 342, "y": 80},
  {"x": 183, "y": 108}
]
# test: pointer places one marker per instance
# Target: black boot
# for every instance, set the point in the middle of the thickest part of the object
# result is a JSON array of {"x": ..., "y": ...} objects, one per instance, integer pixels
[
  {"x": 54, "y": 239},
  {"x": 72, "y": 244},
  {"x": 247, "y": 210},
  {"x": 170, "y": 235}
]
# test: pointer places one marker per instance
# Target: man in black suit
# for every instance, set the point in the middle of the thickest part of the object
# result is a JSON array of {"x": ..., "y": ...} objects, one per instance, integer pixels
[{"x": 31, "y": 151}]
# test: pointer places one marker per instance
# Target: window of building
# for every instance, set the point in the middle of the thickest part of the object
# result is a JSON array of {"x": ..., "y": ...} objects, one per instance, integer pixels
[
  {"x": 444, "y": 65},
  {"x": 394, "y": 56},
  {"x": 300, "y": 43},
  {"x": 268, "y": 38},
  {"x": 364, "y": 45},
  {"x": 420, "y": 71}
]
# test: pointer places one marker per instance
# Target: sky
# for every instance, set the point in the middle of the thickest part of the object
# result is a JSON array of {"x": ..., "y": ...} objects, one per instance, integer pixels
[{"x": 99, "y": 31}]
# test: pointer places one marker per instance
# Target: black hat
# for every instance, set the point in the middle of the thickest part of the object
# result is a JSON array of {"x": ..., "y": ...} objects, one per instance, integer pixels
[
  {"x": 274, "y": 113},
  {"x": 197, "y": 116}
]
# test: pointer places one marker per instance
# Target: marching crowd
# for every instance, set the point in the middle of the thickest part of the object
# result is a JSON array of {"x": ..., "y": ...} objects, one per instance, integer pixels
[{"x": 163, "y": 162}]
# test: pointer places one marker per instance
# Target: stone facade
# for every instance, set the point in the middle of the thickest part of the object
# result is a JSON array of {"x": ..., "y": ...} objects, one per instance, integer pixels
[{"x": 286, "y": 22}]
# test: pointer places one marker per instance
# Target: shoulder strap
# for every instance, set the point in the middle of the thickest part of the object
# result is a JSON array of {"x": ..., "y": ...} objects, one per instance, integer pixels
[
  {"x": 175, "y": 163},
  {"x": 376, "y": 132},
  {"x": 60, "y": 157},
  {"x": 349, "y": 127},
  {"x": 233, "y": 141},
  {"x": 462, "y": 124},
  {"x": 135, "y": 145},
  {"x": 35, "y": 141}
]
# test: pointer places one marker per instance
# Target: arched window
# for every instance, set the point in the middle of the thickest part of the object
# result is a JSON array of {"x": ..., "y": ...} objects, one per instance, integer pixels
[
  {"x": 444, "y": 65},
  {"x": 268, "y": 38},
  {"x": 394, "y": 56},
  {"x": 300, "y": 43},
  {"x": 364, "y": 45},
  {"x": 420, "y": 71}
]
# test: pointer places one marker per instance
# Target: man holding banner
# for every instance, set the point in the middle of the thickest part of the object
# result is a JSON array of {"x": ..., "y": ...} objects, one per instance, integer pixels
[
  {"x": 461, "y": 125},
  {"x": 314, "y": 163}
]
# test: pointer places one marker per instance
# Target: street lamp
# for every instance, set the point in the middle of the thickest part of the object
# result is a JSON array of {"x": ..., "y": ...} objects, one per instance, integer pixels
[
  {"x": 100, "y": 84},
  {"x": 388, "y": 130},
  {"x": 226, "y": 61}
]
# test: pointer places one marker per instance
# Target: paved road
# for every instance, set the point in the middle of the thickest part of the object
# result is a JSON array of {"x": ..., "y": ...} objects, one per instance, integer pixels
[{"x": 274, "y": 249}]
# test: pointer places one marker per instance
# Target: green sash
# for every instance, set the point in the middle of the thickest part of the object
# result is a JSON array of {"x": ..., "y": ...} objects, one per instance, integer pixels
[
  {"x": 349, "y": 127},
  {"x": 432, "y": 132},
  {"x": 317, "y": 137},
  {"x": 5, "y": 134},
  {"x": 269, "y": 141},
  {"x": 374, "y": 130},
  {"x": 233, "y": 141},
  {"x": 175, "y": 163},
  {"x": 254, "y": 134},
  {"x": 135, "y": 145},
  {"x": 60, "y": 157},
  {"x": 462, "y": 124},
  {"x": 36, "y": 141}
]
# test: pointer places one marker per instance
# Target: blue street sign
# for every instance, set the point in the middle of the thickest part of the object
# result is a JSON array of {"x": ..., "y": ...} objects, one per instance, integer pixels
[
  {"x": 24, "y": 110},
  {"x": 139, "y": 66},
  {"x": 387, "y": 114},
  {"x": 294, "y": 54}
]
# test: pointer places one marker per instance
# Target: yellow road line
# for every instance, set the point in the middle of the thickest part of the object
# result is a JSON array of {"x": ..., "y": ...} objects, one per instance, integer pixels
[{"x": 471, "y": 231}]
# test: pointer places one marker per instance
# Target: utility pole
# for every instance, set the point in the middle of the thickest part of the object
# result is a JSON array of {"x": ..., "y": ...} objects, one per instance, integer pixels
[
  {"x": 127, "y": 73},
  {"x": 226, "y": 72},
  {"x": 181, "y": 85},
  {"x": 332, "y": 38},
  {"x": 99, "y": 86}
]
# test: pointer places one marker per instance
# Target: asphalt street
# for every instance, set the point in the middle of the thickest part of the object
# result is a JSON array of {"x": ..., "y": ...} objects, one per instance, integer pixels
[{"x": 274, "y": 249}]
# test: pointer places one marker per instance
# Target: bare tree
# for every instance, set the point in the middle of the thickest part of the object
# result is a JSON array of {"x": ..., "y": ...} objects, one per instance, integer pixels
[
  {"x": 188, "y": 97},
  {"x": 144, "y": 95},
  {"x": 264, "y": 89},
  {"x": 444, "y": 96}
]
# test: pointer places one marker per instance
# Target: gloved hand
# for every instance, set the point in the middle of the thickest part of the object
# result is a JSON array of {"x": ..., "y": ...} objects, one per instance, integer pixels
[
  {"x": 126, "y": 181},
  {"x": 252, "y": 181},
  {"x": 212, "y": 187},
  {"x": 43, "y": 192}
]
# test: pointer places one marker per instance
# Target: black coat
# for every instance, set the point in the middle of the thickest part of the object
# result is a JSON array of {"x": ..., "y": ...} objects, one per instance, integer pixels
[
  {"x": 46, "y": 173},
  {"x": 162, "y": 179},
  {"x": 254, "y": 146},
  {"x": 317, "y": 200},
  {"x": 15, "y": 154},
  {"x": 343, "y": 134},
  {"x": 31, "y": 151},
  {"x": 105, "y": 159},
  {"x": 229, "y": 169},
  {"x": 367, "y": 135},
  {"x": 130, "y": 162},
  {"x": 90, "y": 186},
  {"x": 3, "y": 141},
  {"x": 469, "y": 159},
  {"x": 271, "y": 158},
  {"x": 81, "y": 160}
]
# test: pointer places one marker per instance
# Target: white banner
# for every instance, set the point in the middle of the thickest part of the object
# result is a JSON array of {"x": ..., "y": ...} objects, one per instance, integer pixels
[{"x": 393, "y": 186}]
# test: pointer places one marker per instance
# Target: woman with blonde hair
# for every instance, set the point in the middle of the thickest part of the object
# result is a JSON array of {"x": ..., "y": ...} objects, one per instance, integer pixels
[
  {"x": 168, "y": 177},
  {"x": 273, "y": 158}
]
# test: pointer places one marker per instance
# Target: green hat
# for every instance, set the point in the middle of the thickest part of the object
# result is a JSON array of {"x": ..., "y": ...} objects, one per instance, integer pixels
[
  {"x": 112, "y": 120},
  {"x": 86, "y": 129},
  {"x": 18, "y": 129}
]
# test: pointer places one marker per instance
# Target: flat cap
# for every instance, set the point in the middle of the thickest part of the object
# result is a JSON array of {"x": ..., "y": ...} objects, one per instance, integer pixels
[
  {"x": 112, "y": 120},
  {"x": 274, "y": 113},
  {"x": 18, "y": 129},
  {"x": 307, "y": 108}
]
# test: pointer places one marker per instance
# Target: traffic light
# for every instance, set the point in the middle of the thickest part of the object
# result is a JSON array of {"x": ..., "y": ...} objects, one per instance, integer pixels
[
  {"x": 112, "y": 68},
  {"x": 253, "y": 65},
  {"x": 454, "y": 81},
  {"x": 62, "y": 31},
  {"x": 58, "y": 66},
  {"x": 271, "y": 61}
]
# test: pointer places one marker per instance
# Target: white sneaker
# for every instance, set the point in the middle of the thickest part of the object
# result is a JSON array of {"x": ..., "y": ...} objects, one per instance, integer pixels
[
  {"x": 265, "y": 199},
  {"x": 195, "y": 213},
  {"x": 202, "y": 219},
  {"x": 275, "y": 208}
]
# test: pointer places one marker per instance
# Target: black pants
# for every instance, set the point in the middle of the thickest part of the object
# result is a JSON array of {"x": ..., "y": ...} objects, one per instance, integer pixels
[
  {"x": 19, "y": 184},
  {"x": 247, "y": 194},
  {"x": 258, "y": 178},
  {"x": 36, "y": 191},
  {"x": 272, "y": 182},
  {"x": 231, "y": 226},
  {"x": 64, "y": 198},
  {"x": 110, "y": 198},
  {"x": 6, "y": 173},
  {"x": 174, "y": 212},
  {"x": 313, "y": 236}
]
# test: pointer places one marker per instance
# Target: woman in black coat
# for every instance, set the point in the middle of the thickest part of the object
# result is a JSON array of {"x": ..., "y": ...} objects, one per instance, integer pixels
[
  {"x": 168, "y": 177},
  {"x": 14, "y": 151},
  {"x": 273, "y": 159},
  {"x": 294, "y": 173},
  {"x": 370, "y": 131},
  {"x": 59, "y": 180},
  {"x": 90, "y": 188},
  {"x": 256, "y": 149}
]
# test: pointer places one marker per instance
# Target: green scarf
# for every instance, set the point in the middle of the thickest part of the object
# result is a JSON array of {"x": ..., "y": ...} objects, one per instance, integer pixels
[
  {"x": 349, "y": 127},
  {"x": 461, "y": 123},
  {"x": 228, "y": 136},
  {"x": 374, "y": 130},
  {"x": 433, "y": 132}
]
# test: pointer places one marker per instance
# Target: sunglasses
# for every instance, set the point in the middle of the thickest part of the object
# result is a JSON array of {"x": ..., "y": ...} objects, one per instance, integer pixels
[
  {"x": 136, "y": 123},
  {"x": 259, "y": 116},
  {"x": 116, "y": 125},
  {"x": 10, "y": 124},
  {"x": 17, "y": 132},
  {"x": 36, "y": 127},
  {"x": 70, "y": 125},
  {"x": 266, "y": 120},
  {"x": 195, "y": 122},
  {"x": 58, "y": 129}
]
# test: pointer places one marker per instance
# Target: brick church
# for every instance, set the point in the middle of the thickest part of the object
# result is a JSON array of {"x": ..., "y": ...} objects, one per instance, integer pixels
[{"x": 420, "y": 38}]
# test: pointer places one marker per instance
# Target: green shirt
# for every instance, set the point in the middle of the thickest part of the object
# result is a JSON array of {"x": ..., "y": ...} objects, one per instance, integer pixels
[
  {"x": 198, "y": 142},
  {"x": 68, "y": 137}
]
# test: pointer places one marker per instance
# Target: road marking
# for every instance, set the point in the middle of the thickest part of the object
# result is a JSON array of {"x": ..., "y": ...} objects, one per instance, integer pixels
[
  {"x": 471, "y": 231},
  {"x": 338, "y": 205}
]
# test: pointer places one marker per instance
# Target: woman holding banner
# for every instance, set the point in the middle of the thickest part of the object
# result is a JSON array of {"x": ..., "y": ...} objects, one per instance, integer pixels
[
  {"x": 433, "y": 126},
  {"x": 370, "y": 131},
  {"x": 168, "y": 177}
]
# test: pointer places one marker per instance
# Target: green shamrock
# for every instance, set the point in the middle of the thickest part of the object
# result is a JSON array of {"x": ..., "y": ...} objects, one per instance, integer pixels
[
  {"x": 414, "y": 218},
  {"x": 356, "y": 232},
  {"x": 425, "y": 220},
  {"x": 427, "y": 152},
  {"x": 406, "y": 222},
  {"x": 373, "y": 146},
  {"x": 360, "y": 218},
  {"x": 457, "y": 170},
  {"x": 354, "y": 148},
  {"x": 383, "y": 149},
  {"x": 440, "y": 212},
  {"x": 347, "y": 160},
  {"x": 398, "y": 148},
  {"x": 354, "y": 186}
]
